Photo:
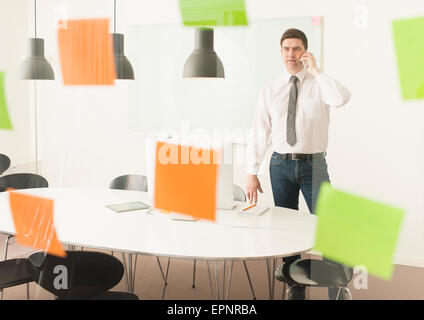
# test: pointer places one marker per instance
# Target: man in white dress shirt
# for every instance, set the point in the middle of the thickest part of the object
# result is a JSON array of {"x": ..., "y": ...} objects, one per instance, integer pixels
[{"x": 293, "y": 114}]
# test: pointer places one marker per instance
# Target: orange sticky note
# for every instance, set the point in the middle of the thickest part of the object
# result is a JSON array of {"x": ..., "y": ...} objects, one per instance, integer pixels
[
  {"x": 86, "y": 52},
  {"x": 185, "y": 180},
  {"x": 33, "y": 219}
]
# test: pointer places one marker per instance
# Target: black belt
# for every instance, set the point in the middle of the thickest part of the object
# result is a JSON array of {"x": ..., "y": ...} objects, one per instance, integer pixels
[{"x": 302, "y": 156}]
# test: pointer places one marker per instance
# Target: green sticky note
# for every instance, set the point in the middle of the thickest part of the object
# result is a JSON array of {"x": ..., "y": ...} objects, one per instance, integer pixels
[
  {"x": 409, "y": 43},
  {"x": 4, "y": 115},
  {"x": 213, "y": 12},
  {"x": 356, "y": 231}
]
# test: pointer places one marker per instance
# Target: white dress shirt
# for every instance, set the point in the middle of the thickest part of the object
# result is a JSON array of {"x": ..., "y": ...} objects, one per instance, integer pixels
[{"x": 315, "y": 96}]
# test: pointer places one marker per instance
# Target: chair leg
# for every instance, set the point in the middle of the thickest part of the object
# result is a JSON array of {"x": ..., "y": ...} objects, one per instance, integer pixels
[
  {"x": 194, "y": 275},
  {"x": 348, "y": 292},
  {"x": 7, "y": 247},
  {"x": 5, "y": 258},
  {"x": 338, "y": 293},
  {"x": 27, "y": 288},
  {"x": 288, "y": 292},
  {"x": 250, "y": 282},
  {"x": 284, "y": 291}
]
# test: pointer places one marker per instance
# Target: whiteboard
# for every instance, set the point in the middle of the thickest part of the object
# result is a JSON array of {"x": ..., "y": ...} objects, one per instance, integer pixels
[{"x": 160, "y": 99}]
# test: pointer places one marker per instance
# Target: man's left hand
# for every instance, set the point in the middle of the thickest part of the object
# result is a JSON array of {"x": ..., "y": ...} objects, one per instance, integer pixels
[{"x": 311, "y": 63}]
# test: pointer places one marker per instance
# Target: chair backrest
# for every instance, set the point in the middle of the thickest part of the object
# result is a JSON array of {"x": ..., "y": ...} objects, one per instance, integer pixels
[
  {"x": 80, "y": 275},
  {"x": 239, "y": 194},
  {"x": 22, "y": 181},
  {"x": 4, "y": 163},
  {"x": 132, "y": 182}
]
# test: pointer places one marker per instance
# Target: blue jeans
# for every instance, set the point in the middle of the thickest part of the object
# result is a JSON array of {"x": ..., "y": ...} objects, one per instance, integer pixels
[{"x": 288, "y": 177}]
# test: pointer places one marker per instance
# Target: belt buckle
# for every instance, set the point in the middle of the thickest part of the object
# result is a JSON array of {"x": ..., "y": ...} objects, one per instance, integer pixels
[{"x": 294, "y": 156}]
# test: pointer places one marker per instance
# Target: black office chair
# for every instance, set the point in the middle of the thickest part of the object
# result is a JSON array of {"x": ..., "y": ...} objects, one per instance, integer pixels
[
  {"x": 315, "y": 273},
  {"x": 20, "y": 181},
  {"x": 15, "y": 272},
  {"x": 89, "y": 275},
  {"x": 4, "y": 163},
  {"x": 133, "y": 182},
  {"x": 130, "y": 182}
]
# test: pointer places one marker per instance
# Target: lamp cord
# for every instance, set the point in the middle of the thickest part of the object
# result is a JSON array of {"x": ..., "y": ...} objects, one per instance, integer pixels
[
  {"x": 114, "y": 17},
  {"x": 36, "y": 127},
  {"x": 35, "y": 17}
]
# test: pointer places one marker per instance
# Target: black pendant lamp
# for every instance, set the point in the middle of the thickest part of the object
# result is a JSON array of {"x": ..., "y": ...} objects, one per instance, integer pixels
[
  {"x": 203, "y": 62},
  {"x": 123, "y": 67},
  {"x": 35, "y": 66}
]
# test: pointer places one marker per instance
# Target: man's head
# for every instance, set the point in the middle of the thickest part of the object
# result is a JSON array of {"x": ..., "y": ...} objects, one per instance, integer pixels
[{"x": 293, "y": 46}]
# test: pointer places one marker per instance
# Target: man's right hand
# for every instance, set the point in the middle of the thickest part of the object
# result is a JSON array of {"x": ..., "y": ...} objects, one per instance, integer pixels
[{"x": 253, "y": 185}]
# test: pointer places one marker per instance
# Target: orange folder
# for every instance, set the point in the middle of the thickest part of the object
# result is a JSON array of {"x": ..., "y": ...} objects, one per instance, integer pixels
[
  {"x": 86, "y": 52},
  {"x": 33, "y": 219},
  {"x": 185, "y": 181}
]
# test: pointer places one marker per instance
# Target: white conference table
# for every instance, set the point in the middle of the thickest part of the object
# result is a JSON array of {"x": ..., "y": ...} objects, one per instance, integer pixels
[{"x": 81, "y": 219}]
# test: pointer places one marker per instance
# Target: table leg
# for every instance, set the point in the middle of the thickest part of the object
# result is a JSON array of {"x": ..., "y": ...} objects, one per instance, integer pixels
[
  {"x": 125, "y": 272},
  {"x": 166, "y": 279},
  {"x": 229, "y": 281},
  {"x": 130, "y": 271},
  {"x": 250, "y": 281},
  {"x": 216, "y": 280},
  {"x": 269, "y": 278},
  {"x": 210, "y": 278}
]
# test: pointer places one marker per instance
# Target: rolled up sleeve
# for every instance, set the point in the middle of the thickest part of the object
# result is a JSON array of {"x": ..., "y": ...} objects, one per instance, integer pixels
[{"x": 333, "y": 92}]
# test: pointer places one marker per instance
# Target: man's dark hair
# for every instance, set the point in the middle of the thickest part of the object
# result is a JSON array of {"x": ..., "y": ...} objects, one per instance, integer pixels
[{"x": 296, "y": 34}]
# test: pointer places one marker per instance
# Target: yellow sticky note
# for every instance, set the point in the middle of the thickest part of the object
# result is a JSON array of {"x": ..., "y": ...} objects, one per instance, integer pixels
[
  {"x": 409, "y": 45},
  {"x": 213, "y": 12},
  {"x": 4, "y": 115}
]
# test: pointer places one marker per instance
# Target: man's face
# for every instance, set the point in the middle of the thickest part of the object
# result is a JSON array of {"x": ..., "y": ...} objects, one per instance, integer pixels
[{"x": 291, "y": 51}]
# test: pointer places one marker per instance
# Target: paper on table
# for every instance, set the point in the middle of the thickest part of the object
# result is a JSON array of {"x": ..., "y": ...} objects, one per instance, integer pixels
[
  {"x": 86, "y": 52},
  {"x": 409, "y": 45},
  {"x": 356, "y": 231},
  {"x": 4, "y": 115},
  {"x": 184, "y": 181},
  {"x": 213, "y": 12},
  {"x": 33, "y": 219},
  {"x": 255, "y": 210}
]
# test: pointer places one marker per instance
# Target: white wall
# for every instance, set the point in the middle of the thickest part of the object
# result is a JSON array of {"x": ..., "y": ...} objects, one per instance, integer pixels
[
  {"x": 376, "y": 141},
  {"x": 14, "y": 34}
]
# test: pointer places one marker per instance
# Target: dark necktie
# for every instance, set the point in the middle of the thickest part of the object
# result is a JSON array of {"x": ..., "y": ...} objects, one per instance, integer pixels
[{"x": 291, "y": 113}]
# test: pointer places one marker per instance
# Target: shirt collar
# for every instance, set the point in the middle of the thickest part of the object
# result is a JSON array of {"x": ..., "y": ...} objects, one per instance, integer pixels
[{"x": 300, "y": 75}]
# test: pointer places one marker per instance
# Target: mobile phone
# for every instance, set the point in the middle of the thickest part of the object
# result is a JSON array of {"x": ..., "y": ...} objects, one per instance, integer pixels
[{"x": 305, "y": 63}]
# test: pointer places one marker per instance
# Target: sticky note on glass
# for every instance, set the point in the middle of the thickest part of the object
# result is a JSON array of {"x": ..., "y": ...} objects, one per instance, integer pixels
[
  {"x": 4, "y": 115},
  {"x": 185, "y": 180},
  {"x": 86, "y": 52},
  {"x": 409, "y": 44},
  {"x": 213, "y": 12},
  {"x": 356, "y": 231},
  {"x": 33, "y": 219}
]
